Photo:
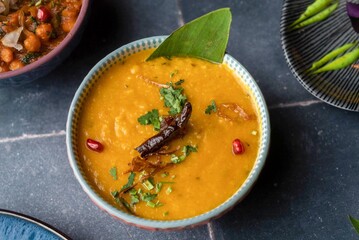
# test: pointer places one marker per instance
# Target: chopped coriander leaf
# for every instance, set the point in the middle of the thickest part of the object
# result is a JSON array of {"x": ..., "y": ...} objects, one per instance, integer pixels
[
  {"x": 113, "y": 172},
  {"x": 151, "y": 204},
  {"x": 132, "y": 192},
  {"x": 173, "y": 73},
  {"x": 124, "y": 203},
  {"x": 36, "y": 23},
  {"x": 149, "y": 118},
  {"x": 179, "y": 82},
  {"x": 38, "y": 3},
  {"x": 148, "y": 184},
  {"x": 134, "y": 200},
  {"x": 114, "y": 193},
  {"x": 148, "y": 197},
  {"x": 121, "y": 200},
  {"x": 154, "y": 205},
  {"x": 211, "y": 108},
  {"x": 186, "y": 151},
  {"x": 175, "y": 158},
  {"x": 169, "y": 190},
  {"x": 165, "y": 174},
  {"x": 134, "y": 197},
  {"x": 158, "y": 187},
  {"x": 173, "y": 98},
  {"x": 131, "y": 179},
  {"x": 165, "y": 214},
  {"x": 29, "y": 57}
]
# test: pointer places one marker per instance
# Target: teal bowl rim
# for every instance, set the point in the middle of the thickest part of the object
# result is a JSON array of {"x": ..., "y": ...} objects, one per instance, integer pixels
[{"x": 92, "y": 77}]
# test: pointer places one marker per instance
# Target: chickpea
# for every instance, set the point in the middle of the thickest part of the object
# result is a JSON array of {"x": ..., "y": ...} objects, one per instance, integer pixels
[
  {"x": 32, "y": 43},
  {"x": 16, "y": 64},
  {"x": 69, "y": 16},
  {"x": 43, "y": 31},
  {"x": 13, "y": 19},
  {"x": 69, "y": 13},
  {"x": 4, "y": 68},
  {"x": 6, "y": 54},
  {"x": 68, "y": 24}
]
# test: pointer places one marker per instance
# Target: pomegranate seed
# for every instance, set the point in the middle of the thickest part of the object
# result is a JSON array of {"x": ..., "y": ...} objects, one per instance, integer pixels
[
  {"x": 94, "y": 145},
  {"x": 43, "y": 14},
  {"x": 237, "y": 147}
]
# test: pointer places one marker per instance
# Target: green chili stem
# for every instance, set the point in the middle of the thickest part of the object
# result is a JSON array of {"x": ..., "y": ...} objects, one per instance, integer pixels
[
  {"x": 312, "y": 9},
  {"x": 331, "y": 55},
  {"x": 319, "y": 17},
  {"x": 341, "y": 62}
]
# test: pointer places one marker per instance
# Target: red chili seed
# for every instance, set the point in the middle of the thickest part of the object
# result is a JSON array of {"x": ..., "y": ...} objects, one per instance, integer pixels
[
  {"x": 94, "y": 145},
  {"x": 43, "y": 14},
  {"x": 237, "y": 147}
]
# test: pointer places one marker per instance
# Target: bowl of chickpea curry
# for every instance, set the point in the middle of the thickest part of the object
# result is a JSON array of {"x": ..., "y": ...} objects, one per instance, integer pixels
[{"x": 36, "y": 35}]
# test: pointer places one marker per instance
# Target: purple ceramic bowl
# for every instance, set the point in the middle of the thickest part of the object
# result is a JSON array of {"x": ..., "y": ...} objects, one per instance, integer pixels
[{"x": 51, "y": 60}]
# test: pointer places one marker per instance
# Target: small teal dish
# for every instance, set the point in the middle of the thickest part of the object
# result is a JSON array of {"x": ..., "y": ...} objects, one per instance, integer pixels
[
  {"x": 21, "y": 227},
  {"x": 50, "y": 61},
  {"x": 92, "y": 78}
]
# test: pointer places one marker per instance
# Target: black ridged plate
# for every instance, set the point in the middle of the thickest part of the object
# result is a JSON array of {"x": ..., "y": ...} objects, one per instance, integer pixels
[{"x": 304, "y": 46}]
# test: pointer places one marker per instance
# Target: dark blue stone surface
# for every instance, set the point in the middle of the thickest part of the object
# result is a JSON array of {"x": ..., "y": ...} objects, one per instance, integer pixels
[{"x": 309, "y": 184}]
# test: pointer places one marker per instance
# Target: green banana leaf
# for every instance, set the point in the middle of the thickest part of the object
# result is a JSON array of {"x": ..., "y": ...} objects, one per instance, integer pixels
[{"x": 205, "y": 37}]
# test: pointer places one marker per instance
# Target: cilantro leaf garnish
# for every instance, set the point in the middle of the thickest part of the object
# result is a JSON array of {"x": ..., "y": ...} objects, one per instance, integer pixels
[
  {"x": 173, "y": 73},
  {"x": 186, "y": 150},
  {"x": 124, "y": 203},
  {"x": 159, "y": 187},
  {"x": 355, "y": 223},
  {"x": 211, "y": 108},
  {"x": 151, "y": 117},
  {"x": 179, "y": 82},
  {"x": 131, "y": 179},
  {"x": 120, "y": 200},
  {"x": 134, "y": 197},
  {"x": 148, "y": 184},
  {"x": 173, "y": 98},
  {"x": 169, "y": 190},
  {"x": 114, "y": 193},
  {"x": 113, "y": 172},
  {"x": 148, "y": 197},
  {"x": 154, "y": 205},
  {"x": 29, "y": 57}
]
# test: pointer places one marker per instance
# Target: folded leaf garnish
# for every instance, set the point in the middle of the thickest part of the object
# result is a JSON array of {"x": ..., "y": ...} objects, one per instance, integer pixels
[{"x": 205, "y": 38}]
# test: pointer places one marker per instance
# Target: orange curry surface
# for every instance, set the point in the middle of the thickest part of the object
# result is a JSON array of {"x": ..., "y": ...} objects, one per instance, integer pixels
[{"x": 204, "y": 179}]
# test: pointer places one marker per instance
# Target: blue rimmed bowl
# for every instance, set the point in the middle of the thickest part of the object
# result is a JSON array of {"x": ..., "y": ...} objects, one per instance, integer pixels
[
  {"x": 19, "y": 226},
  {"x": 92, "y": 78}
]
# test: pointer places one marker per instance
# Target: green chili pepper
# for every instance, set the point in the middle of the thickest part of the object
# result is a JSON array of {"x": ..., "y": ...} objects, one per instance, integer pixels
[
  {"x": 341, "y": 62},
  {"x": 319, "y": 17},
  {"x": 312, "y": 9},
  {"x": 336, "y": 52}
]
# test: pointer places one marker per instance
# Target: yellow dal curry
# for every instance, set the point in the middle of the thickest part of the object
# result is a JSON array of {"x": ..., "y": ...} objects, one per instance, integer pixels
[{"x": 204, "y": 179}]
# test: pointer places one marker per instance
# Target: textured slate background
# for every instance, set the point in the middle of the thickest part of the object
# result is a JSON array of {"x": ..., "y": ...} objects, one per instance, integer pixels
[{"x": 308, "y": 186}]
